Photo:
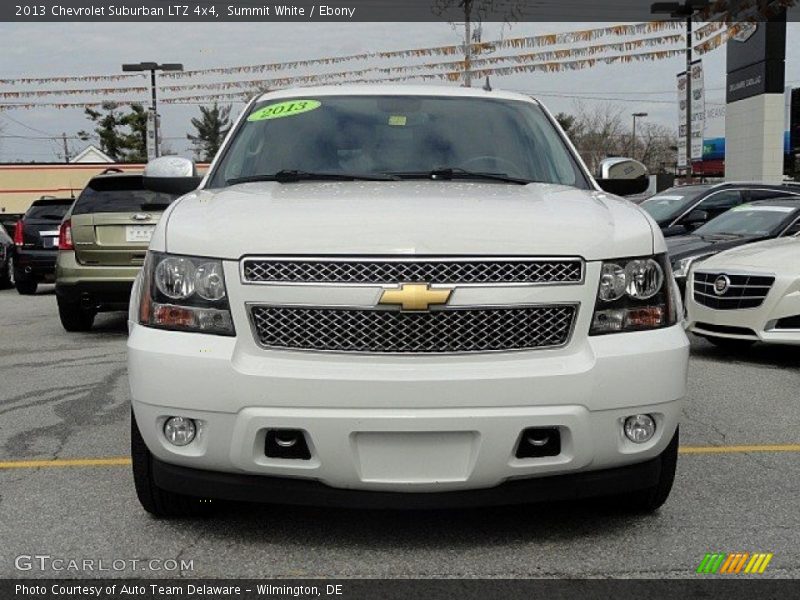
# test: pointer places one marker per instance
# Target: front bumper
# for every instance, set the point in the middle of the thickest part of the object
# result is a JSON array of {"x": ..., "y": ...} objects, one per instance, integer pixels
[
  {"x": 406, "y": 423},
  {"x": 282, "y": 490},
  {"x": 757, "y": 324}
]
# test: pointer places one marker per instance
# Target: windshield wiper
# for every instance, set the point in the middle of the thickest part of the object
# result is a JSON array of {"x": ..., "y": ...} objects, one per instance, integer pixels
[
  {"x": 723, "y": 235},
  {"x": 448, "y": 173},
  {"x": 292, "y": 176}
]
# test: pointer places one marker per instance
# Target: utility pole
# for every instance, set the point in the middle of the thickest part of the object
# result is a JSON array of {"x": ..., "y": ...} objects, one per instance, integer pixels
[
  {"x": 467, "y": 43},
  {"x": 686, "y": 10},
  {"x": 153, "y": 67},
  {"x": 66, "y": 147}
]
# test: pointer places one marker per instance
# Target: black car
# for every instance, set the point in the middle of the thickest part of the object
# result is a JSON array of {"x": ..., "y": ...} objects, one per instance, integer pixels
[
  {"x": 6, "y": 259},
  {"x": 36, "y": 241},
  {"x": 744, "y": 224},
  {"x": 682, "y": 209}
]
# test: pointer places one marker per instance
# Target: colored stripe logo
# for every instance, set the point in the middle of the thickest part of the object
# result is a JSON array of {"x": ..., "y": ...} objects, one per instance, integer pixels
[{"x": 734, "y": 563}]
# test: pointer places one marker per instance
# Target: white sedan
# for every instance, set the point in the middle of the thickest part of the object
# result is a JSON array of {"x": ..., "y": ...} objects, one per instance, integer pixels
[{"x": 747, "y": 294}]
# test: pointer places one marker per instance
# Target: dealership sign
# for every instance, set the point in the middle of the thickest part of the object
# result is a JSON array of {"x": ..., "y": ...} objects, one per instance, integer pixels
[{"x": 698, "y": 108}]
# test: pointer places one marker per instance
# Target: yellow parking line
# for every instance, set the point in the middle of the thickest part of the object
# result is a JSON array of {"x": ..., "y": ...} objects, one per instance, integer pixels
[
  {"x": 124, "y": 461},
  {"x": 739, "y": 449},
  {"x": 119, "y": 461}
]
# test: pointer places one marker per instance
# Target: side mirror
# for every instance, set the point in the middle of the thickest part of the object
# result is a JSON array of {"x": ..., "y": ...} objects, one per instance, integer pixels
[
  {"x": 695, "y": 218},
  {"x": 171, "y": 175},
  {"x": 623, "y": 176},
  {"x": 674, "y": 230}
]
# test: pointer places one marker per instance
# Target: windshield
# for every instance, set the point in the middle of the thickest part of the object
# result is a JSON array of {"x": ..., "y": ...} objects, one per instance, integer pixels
[
  {"x": 121, "y": 200},
  {"x": 670, "y": 203},
  {"x": 748, "y": 220},
  {"x": 405, "y": 136}
]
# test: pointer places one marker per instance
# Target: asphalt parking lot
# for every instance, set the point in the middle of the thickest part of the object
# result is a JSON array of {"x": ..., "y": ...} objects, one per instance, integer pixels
[{"x": 64, "y": 398}]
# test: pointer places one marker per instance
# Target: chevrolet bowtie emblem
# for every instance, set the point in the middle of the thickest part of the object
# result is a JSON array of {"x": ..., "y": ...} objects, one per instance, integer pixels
[{"x": 415, "y": 296}]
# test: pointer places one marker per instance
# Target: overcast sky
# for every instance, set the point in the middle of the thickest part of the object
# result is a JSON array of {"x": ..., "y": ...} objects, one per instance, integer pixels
[{"x": 50, "y": 49}]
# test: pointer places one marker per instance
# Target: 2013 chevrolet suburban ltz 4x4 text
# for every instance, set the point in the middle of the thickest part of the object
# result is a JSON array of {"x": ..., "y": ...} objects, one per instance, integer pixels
[{"x": 401, "y": 296}]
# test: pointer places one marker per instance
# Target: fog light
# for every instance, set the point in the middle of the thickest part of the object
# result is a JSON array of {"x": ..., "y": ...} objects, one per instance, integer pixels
[
  {"x": 640, "y": 428},
  {"x": 179, "y": 431}
]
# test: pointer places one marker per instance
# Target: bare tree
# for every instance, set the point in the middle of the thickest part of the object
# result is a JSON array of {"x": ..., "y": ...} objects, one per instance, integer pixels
[
  {"x": 602, "y": 131},
  {"x": 656, "y": 147},
  {"x": 598, "y": 133}
]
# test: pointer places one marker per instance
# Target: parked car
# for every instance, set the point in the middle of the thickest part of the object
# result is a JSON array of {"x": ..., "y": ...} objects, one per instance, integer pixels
[
  {"x": 8, "y": 221},
  {"x": 682, "y": 209},
  {"x": 367, "y": 302},
  {"x": 744, "y": 224},
  {"x": 748, "y": 294},
  {"x": 102, "y": 245},
  {"x": 6, "y": 259},
  {"x": 36, "y": 241}
]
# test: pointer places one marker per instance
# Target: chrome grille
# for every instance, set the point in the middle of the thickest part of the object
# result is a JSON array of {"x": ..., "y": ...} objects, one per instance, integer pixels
[
  {"x": 393, "y": 331},
  {"x": 383, "y": 271},
  {"x": 745, "y": 290}
]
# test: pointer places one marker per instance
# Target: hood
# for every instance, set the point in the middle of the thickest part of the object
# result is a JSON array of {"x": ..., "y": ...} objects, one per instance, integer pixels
[
  {"x": 684, "y": 246},
  {"x": 782, "y": 254},
  {"x": 406, "y": 218}
]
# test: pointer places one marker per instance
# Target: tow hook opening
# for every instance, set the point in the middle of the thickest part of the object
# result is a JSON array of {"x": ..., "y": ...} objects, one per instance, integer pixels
[
  {"x": 536, "y": 442},
  {"x": 287, "y": 443}
]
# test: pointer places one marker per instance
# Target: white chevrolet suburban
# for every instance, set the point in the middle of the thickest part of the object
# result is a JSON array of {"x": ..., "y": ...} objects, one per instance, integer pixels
[{"x": 401, "y": 296}]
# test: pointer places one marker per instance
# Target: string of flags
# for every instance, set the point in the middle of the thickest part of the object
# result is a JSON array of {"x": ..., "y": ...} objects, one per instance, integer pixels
[
  {"x": 546, "y": 56},
  {"x": 74, "y": 92},
  {"x": 731, "y": 25},
  {"x": 723, "y": 23},
  {"x": 71, "y": 79},
  {"x": 549, "y": 67},
  {"x": 550, "y": 39}
]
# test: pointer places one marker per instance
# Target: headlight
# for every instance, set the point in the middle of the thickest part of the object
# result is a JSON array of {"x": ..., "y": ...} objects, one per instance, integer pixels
[
  {"x": 184, "y": 293},
  {"x": 612, "y": 282},
  {"x": 634, "y": 294},
  {"x": 643, "y": 278},
  {"x": 681, "y": 268},
  {"x": 175, "y": 277}
]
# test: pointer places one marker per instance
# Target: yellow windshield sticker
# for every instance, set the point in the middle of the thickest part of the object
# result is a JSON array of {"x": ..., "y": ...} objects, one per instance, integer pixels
[
  {"x": 284, "y": 109},
  {"x": 397, "y": 120}
]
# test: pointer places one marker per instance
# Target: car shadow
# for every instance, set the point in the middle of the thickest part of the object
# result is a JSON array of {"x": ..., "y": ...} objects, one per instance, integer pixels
[
  {"x": 778, "y": 356},
  {"x": 417, "y": 529},
  {"x": 113, "y": 323}
]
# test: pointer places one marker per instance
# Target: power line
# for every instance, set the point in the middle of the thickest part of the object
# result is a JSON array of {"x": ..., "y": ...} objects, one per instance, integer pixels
[{"x": 20, "y": 123}]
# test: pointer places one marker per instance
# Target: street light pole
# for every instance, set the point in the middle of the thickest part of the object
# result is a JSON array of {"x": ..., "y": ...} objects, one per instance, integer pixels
[
  {"x": 686, "y": 10},
  {"x": 153, "y": 67},
  {"x": 633, "y": 131},
  {"x": 689, "y": 162}
]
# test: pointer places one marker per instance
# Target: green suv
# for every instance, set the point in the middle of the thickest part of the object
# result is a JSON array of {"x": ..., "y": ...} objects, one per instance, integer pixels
[{"x": 101, "y": 246}]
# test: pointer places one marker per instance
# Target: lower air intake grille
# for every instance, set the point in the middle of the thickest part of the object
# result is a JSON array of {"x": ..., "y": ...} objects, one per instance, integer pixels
[{"x": 393, "y": 331}]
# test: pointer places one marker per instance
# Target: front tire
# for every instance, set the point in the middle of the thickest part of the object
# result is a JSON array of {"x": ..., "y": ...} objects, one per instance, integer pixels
[
  {"x": 74, "y": 317},
  {"x": 651, "y": 499},
  {"x": 157, "y": 501}
]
